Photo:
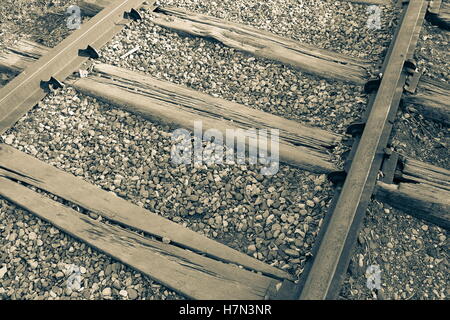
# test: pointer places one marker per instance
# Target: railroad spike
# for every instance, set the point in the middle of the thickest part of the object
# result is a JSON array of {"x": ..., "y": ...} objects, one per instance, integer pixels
[
  {"x": 373, "y": 84},
  {"x": 90, "y": 52},
  {"x": 337, "y": 177},
  {"x": 356, "y": 128},
  {"x": 133, "y": 15},
  {"x": 345, "y": 154},
  {"x": 389, "y": 165},
  {"x": 401, "y": 3},
  {"x": 52, "y": 83},
  {"x": 410, "y": 64},
  {"x": 347, "y": 141},
  {"x": 347, "y": 165}
]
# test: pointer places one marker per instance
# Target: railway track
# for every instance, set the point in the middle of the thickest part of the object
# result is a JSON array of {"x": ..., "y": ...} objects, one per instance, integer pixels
[{"x": 185, "y": 261}]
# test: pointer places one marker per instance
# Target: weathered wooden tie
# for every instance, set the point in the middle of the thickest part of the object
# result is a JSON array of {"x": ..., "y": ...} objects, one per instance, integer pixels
[
  {"x": 186, "y": 272},
  {"x": 432, "y": 99},
  {"x": 439, "y": 14},
  {"x": 208, "y": 270},
  {"x": 419, "y": 189},
  {"x": 22, "y": 167},
  {"x": 264, "y": 44},
  {"x": 299, "y": 145},
  {"x": 258, "y": 42}
]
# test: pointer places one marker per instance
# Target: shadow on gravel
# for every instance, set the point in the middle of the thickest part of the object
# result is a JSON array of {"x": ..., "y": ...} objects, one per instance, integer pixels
[{"x": 48, "y": 29}]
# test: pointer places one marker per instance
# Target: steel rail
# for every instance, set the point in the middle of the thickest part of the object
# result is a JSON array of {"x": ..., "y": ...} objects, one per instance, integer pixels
[
  {"x": 325, "y": 276},
  {"x": 25, "y": 91}
]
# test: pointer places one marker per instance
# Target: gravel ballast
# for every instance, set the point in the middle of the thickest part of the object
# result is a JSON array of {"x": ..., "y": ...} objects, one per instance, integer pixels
[
  {"x": 273, "y": 219},
  {"x": 215, "y": 69}
]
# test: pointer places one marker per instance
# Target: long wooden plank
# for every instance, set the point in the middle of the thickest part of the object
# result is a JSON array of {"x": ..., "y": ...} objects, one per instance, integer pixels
[
  {"x": 432, "y": 99},
  {"x": 23, "y": 54},
  {"x": 420, "y": 172},
  {"x": 188, "y": 273},
  {"x": 161, "y": 101},
  {"x": 20, "y": 166},
  {"x": 264, "y": 44},
  {"x": 439, "y": 14},
  {"x": 420, "y": 200},
  {"x": 26, "y": 90},
  {"x": 370, "y": 2},
  {"x": 421, "y": 190}
]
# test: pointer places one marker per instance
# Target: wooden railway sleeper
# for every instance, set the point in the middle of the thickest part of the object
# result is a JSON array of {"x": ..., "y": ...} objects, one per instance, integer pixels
[
  {"x": 434, "y": 7},
  {"x": 373, "y": 84}
]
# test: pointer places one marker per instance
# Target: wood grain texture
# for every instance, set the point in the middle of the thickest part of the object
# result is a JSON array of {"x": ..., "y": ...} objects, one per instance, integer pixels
[
  {"x": 434, "y": 6},
  {"x": 423, "y": 191},
  {"x": 90, "y": 8},
  {"x": 188, "y": 273},
  {"x": 370, "y": 2},
  {"x": 17, "y": 58},
  {"x": 420, "y": 200},
  {"x": 439, "y": 14},
  {"x": 22, "y": 167},
  {"x": 161, "y": 101},
  {"x": 432, "y": 99},
  {"x": 263, "y": 44},
  {"x": 422, "y": 172}
]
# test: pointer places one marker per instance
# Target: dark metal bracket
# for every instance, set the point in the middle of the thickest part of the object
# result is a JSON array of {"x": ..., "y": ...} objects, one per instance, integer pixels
[
  {"x": 434, "y": 7},
  {"x": 413, "y": 76},
  {"x": 389, "y": 165},
  {"x": 337, "y": 177},
  {"x": 356, "y": 128},
  {"x": 53, "y": 83},
  {"x": 90, "y": 52},
  {"x": 409, "y": 65},
  {"x": 133, "y": 14},
  {"x": 412, "y": 81},
  {"x": 401, "y": 3},
  {"x": 288, "y": 291}
]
